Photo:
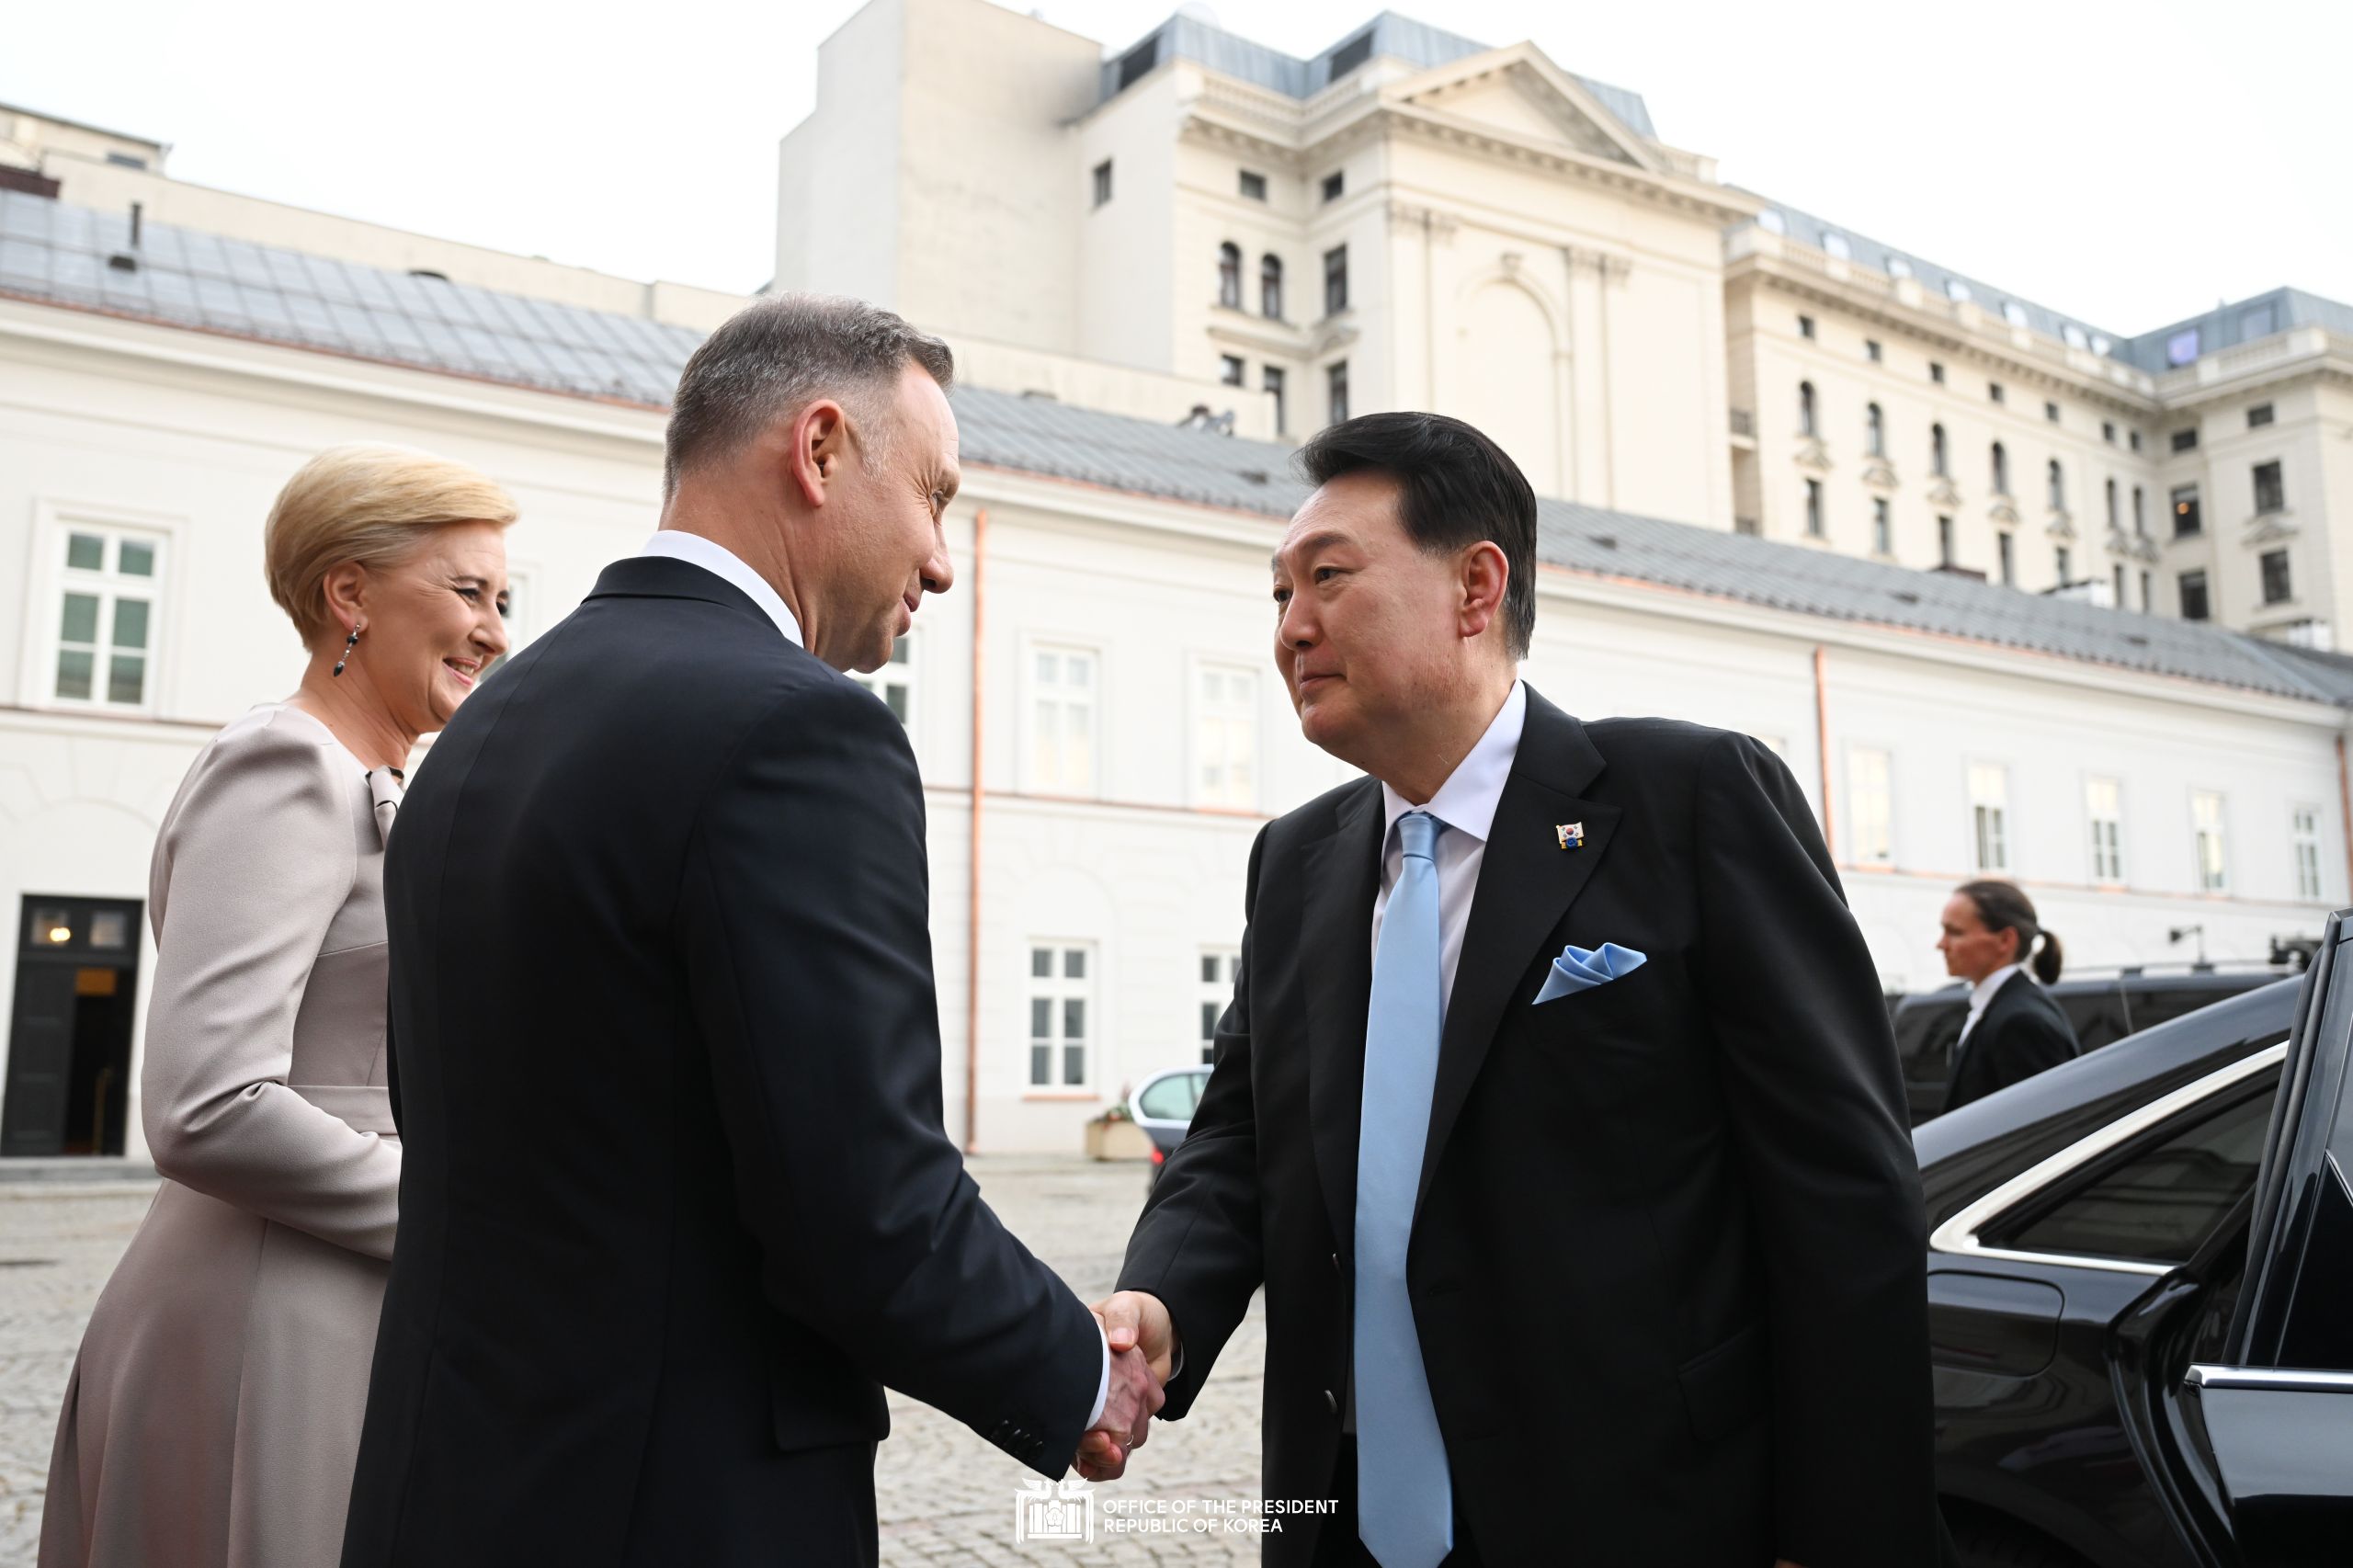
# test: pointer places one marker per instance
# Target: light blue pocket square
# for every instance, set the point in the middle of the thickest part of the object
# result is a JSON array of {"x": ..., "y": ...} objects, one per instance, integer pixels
[{"x": 1577, "y": 970}]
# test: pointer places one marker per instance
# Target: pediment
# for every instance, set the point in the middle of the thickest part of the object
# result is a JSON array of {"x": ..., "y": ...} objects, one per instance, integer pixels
[{"x": 1519, "y": 92}]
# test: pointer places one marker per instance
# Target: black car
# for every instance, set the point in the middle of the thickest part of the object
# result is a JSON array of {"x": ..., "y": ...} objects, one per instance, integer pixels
[
  {"x": 2103, "y": 1009},
  {"x": 2141, "y": 1294}
]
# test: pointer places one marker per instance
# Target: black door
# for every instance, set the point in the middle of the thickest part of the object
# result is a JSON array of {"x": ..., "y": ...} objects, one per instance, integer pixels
[
  {"x": 69, "y": 1038},
  {"x": 2269, "y": 1419}
]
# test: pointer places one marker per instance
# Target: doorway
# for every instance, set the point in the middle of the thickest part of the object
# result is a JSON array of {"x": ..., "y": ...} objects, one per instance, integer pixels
[{"x": 69, "y": 1039}]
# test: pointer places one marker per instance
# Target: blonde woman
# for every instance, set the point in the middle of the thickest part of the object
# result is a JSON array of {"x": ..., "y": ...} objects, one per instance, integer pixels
[{"x": 213, "y": 1412}]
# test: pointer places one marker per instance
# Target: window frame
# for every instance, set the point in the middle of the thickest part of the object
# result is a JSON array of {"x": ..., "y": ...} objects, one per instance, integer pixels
[
  {"x": 2114, "y": 874},
  {"x": 1058, "y": 988},
  {"x": 2219, "y": 884},
  {"x": 1214, "y": 992},
  {"x": 2005, "y": 833},
  {"x": 56, "y": 518},
  {"x": 1026, "y": 736},
  {"x": 2302, "y": 838},
  {"x": 880, "y": 679},
  {"x": 1883, "y": 818},
  {"x": 1198, "y": 794}
]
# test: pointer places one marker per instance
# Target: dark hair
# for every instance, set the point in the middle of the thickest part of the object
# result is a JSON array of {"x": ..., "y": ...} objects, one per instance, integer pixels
[
  {"x": 1455, "y": 487},
  {"x": 2004, "y": 908},
  {"x": 773, "y": 357}
]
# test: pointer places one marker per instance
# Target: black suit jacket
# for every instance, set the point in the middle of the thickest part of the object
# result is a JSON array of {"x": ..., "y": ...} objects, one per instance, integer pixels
[
  {"x": 677, "y": 1200},
  {"x": 2020, "y": 1033},
  {"x": 1668, "y": 1259}
]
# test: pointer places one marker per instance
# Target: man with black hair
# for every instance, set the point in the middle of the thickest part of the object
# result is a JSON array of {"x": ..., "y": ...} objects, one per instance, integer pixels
[{"x": 1556, "y": 1108}]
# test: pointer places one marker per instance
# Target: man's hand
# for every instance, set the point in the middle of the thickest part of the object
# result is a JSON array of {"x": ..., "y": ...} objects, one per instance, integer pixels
[{"x": 1142, "y": 1338}]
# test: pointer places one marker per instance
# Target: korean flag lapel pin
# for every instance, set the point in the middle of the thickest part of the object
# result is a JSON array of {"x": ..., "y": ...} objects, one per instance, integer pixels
[{"x": 1572, "y": 835}]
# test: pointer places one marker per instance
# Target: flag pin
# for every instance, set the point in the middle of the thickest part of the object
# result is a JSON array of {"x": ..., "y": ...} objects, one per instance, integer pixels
[{"x": 1572, "y": 835}]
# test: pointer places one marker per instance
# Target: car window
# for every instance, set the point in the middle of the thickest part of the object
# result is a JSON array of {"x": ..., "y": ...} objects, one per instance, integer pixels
[
  {"x": 1168, "y": 1099},
  {"x": 2159, "y": 1202},
  {"x": 1924, "y": 1030}
]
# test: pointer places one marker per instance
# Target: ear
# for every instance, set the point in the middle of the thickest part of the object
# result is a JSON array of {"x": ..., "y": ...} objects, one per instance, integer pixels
[
  {"x": 1484, "y": 574},
  {"x": 819, "y": 447},
  {"x": 346, "y": 587}
]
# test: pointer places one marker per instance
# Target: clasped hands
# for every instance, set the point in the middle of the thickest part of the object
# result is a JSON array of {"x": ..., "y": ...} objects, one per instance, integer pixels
[{"x": 1143, "y": 1355}]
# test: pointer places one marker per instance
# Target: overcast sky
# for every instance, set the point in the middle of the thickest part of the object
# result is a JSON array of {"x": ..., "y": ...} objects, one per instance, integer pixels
[{"x": 2127, "y": 164}]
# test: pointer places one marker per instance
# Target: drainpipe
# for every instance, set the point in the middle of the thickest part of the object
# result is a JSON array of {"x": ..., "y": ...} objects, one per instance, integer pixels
[
  {"x": 1822, "y": 750},
  {"x": 972, "y": 872}
]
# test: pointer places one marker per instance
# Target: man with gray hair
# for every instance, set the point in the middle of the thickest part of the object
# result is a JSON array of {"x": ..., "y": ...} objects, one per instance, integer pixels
[{"x": 678, "y": 1200}]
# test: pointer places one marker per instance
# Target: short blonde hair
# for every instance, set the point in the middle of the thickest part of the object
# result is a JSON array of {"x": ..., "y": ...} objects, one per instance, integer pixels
[{"x": 369, "y": 503}]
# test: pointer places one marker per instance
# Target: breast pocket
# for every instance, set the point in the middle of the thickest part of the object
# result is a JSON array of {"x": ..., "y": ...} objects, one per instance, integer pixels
[{"x": 1610, "y": 1042}]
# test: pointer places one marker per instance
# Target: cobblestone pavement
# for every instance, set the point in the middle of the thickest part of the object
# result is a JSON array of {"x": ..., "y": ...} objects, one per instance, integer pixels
[{"x": 944, "y": 1495}]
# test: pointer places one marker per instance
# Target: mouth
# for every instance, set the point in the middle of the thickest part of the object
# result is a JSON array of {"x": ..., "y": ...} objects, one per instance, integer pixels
[
  {"x": 464, "y": 669},
  {"x": 1308, "y": 683},
  {"x": 913, "y": 601}
]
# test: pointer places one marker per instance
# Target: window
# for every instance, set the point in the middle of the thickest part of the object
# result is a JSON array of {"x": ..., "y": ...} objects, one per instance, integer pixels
[
  {"x": 1869, "y": 806},
  {"x": 2205, "y": 845},
  {"x": 1061, "y": 995},
  {"x": 1989, "y": 806},
  {"x": 1874, "y": 432},
  {"x": 1935, "y": 372},
  {"x": 2014, "y": 312},
  {"x": 106, "y": 619},
  {"x": 2160, "y": 1202},
  {"x": 1993, "y": 391},
  {"x": 2140, "y": 514},
  {"x": 1944, "y": 541},
  {"x": 2115, "y": 517},
  {"x": 2278, "y": 589},
  {"x": 1270, "y": 287},
  {"x": 2061, "y": 564},
  {"x": 1805, "y": 326},
  {"x": 2185, "y": 440},
  {"x": 2001, "y": 470},
  {"x": 1836, "y": 244},
  {"x": 2051, "y": 412},
  {"x": 2258, "y": 416},
  {"x": 1806, "y": 422},
  {"x": 1229, "y": 368},
  {"x": 1225, "y": 736},
  {"x": 2116, "y": 585},
  {"x": 1335, "y": 281},
  {"x": 1229, "y": 276},
  {"x": 1171, "y": 1099},
  {"x": 1061, "y": 714},
  {"x": 2192, "y": 586},
  {"x": 2304, "y": 824},
  {"x": 894, "y": 683},
  {"x": 2185, "y": 518},
  {"x": 1335, "y": 391},
  {"x": 1882, "y": 527},
  {"x": 2058, "y": 485},
  {"x": 2008, "y": 549},
  {"x": 1898, "y": 267},
  {"x": 1219, "y": 966},
  {"x": 1813, "y": 508},
  {"x": 2270, "y": 494},
  {"x": 1271, "y": 378},
  {"x": 2132, "y": 438},
  {"x": 2107, "y": 431},
  {"x": 2103, "y": 805},
  {"x": 1940, "y": 457},
  {"x": 1334, "y": 186},
  {"x": 1102, "y": 182},
  {"x": 1871, "y": 350},
  {"x": 1956, "y": 290},
  {"x": 126, "y": 160},
  {"x": 2148, "y": 595},
  {"x": 1253, "y": 187}
]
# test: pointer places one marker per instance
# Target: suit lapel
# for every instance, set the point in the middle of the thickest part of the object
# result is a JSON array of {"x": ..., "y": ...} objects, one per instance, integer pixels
[
  {"x": 1343, "y": 873},
  {"x": 1527, "y": 882}
]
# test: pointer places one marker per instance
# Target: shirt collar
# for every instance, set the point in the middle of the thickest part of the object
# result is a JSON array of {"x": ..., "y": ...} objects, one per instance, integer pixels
[
  {"x": 724, "y": 562},
  {"x": 1982, "y": 992},
  {"x": 1466, "y": 802}
]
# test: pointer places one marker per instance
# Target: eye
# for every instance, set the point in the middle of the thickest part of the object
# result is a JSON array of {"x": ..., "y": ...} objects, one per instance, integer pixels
[
  {"x": 1324, "y": 574},
  {"x": 470, "y": 595},
  {"x": 1283, "y": 595}
]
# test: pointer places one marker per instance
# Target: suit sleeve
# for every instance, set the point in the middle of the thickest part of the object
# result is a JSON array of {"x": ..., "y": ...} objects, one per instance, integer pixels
[
  {"x": 1816, "y": 1104},
  {"x": 261, "y": 855},
  {"x": 1197, "y": 1246},
  {"x": 804, "y": 924}
]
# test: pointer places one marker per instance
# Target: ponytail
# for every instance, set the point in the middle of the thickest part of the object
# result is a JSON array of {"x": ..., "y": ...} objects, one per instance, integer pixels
[{"x": 2003, "y": 907}]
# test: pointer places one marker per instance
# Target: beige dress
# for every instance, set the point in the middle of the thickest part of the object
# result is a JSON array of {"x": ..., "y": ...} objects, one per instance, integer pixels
[{"x": 212, "y": 1417}]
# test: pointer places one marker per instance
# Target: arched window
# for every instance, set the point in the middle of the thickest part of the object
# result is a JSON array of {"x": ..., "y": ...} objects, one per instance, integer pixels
[
  {"x": 1805, "y": 408},
  {"x": 1938, "y": 461},
  {"x": 1229, "y": 276},
  {"x": 2058, "y": 487},
  {"x": 2114, "y": 521},
  {"x": 1874, "y": 432},
  {"x": 1270, "y": 287},
  {"x": 2001, "y": 470}
]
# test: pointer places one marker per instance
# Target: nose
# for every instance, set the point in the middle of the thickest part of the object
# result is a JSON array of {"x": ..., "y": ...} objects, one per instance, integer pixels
[
  {"x": 1296, "y": 629},
  {"x": 492, "y": 634},
  {"x": 939, "y": 571}
]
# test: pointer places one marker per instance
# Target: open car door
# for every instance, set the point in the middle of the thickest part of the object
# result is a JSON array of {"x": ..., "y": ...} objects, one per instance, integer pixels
[{"x": 2268, "y": 1422}]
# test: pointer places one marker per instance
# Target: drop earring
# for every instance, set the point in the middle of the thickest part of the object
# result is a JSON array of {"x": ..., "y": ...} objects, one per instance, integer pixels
[{"x": 348, "y": 643}]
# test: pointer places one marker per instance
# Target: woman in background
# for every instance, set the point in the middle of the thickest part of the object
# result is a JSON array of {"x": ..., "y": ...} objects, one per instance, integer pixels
[
  {"x": 2014, "y": 1028},
  {"x": 212, "y": 1416}
]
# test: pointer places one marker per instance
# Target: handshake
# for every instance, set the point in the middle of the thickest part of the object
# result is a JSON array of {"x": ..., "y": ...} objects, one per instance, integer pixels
[{"x": 1143, "y": 1355}]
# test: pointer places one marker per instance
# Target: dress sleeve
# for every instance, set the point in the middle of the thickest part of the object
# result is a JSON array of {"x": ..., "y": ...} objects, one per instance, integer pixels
[{"x": 258, "y": 857}]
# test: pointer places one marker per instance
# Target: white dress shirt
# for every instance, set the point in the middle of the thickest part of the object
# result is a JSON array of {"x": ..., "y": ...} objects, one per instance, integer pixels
[
  {"x": 723, "y": 563},
  {"x": 1466, "y": 803},
  {"x": 1979, "y": 995}
]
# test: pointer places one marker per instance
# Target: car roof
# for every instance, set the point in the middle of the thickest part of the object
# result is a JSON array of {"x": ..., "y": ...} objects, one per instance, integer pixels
[{"x": 2220, "y": 981}]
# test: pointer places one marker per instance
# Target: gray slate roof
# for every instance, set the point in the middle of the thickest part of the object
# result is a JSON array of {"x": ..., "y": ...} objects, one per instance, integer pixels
[{"x": 57, "y": 255}]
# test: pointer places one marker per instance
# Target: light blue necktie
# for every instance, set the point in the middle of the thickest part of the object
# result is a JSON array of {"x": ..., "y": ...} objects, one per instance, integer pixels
[{"x": 1405, "y": 1496}]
